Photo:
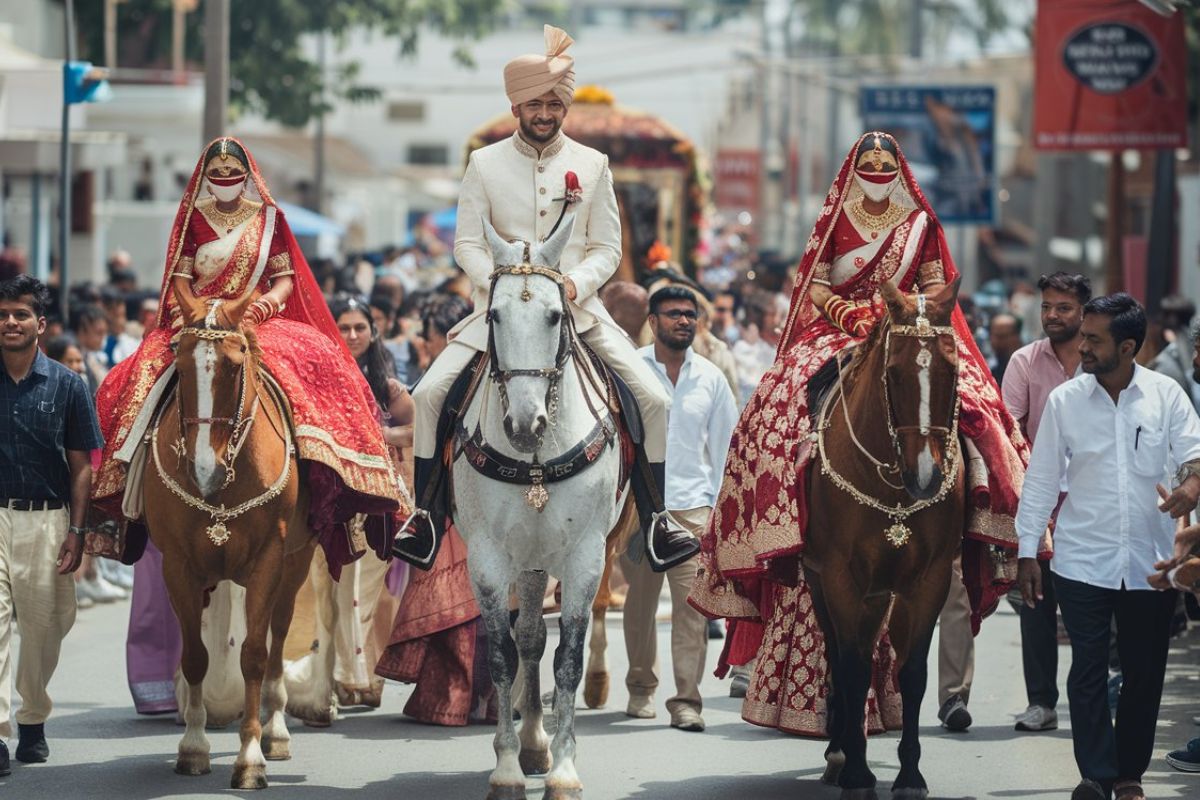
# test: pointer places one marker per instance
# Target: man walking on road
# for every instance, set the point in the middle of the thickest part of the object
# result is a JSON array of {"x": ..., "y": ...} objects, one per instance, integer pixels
[
  {"x": 1112, "y": 434},
  {"x": 1033, "y": 372},
  {"x": 49, "y": 430},
  {"x": 699, "y": 426}
]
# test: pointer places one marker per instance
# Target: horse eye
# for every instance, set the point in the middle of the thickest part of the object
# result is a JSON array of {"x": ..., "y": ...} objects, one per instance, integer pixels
[
  {"x": 493, "y": 317},
  {"x": 554, "y": 317}
]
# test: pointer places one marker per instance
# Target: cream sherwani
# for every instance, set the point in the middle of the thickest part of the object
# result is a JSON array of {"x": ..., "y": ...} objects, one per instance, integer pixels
[{"x": 514, "y": 187}]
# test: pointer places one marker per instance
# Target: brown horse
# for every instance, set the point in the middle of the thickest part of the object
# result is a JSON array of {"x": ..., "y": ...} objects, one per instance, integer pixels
[
  {"x": 224, "y": 501},
  {"x": 886, "y": 518}
]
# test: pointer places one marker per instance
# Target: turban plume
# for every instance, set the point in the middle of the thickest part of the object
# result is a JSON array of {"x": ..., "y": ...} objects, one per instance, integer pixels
[{"x": 531, "y": 76}]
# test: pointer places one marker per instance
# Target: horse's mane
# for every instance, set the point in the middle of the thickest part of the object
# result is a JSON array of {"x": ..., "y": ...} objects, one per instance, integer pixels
[
  {"x": 252, "y": 343},
  {"x": 866, "y": 349}
]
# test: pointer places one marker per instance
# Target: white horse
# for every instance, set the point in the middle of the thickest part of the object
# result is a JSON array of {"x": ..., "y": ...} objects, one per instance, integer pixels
[{"x": 539, "y": 405}]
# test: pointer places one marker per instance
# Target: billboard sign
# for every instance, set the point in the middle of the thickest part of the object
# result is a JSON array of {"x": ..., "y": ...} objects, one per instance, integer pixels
[
  {"x": 948, "y": 134},
  {"x": 1109, "y": 76}
]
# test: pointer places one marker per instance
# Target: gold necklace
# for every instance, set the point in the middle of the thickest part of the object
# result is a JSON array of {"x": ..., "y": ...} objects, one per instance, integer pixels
[
  {"x": 877, "y": 223},
  {"x": 229, "y": 220}
]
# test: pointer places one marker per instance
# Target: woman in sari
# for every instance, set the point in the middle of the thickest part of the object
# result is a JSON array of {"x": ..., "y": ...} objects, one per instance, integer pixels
[
  {"x": 224, "y": 245},
  {"x": 875, "y": 226}
]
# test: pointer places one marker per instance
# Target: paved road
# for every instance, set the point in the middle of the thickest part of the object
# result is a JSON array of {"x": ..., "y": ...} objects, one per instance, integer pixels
[{"x": 102, "y": 750}]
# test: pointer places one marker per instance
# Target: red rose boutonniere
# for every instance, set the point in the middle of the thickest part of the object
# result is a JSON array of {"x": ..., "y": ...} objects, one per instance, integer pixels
[
  {"x": 572, "y": 194},
  {"x": 572, "y": 191}
]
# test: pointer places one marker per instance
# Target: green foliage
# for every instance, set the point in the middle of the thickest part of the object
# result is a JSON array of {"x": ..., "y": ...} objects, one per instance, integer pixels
[
  {"x": 882, "y": 27},
  {"x": 269, "y": 71}
]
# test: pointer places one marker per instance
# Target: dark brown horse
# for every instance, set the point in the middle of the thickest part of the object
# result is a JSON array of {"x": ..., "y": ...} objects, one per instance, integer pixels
[
  {"x": 886, "y": 519},
  {"x": 224, "y": 501}
]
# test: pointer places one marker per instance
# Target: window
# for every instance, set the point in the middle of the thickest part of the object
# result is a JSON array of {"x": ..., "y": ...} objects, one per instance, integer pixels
[
  {"x": 428, "y": 154},
  {"x": 406, "y": 111}
]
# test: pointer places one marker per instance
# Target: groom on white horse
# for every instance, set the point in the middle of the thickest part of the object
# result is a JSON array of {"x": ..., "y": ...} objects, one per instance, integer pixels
[{"x": 523, "y": 186}]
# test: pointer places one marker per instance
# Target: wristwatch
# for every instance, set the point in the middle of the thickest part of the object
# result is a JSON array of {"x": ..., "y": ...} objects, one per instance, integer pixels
[
  {"x": 78, "y": 531},
  {"x": 1187, "y": 470}
]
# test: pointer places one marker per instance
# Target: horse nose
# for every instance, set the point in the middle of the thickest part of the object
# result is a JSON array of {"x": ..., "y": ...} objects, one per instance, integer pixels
[{"x": 539, "y": 425}]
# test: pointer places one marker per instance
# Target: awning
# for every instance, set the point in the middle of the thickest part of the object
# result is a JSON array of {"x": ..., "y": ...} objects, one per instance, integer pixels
[{"x": 309, "y": 223}]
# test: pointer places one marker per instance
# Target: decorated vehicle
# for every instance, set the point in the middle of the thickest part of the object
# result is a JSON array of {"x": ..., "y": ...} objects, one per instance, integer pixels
[{"x": 661, "y": 183}]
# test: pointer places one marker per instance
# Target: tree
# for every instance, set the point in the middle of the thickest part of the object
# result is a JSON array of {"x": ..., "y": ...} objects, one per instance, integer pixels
[
  {"x": 884, "y": 27},
  {"x": 269, "y": 71}
]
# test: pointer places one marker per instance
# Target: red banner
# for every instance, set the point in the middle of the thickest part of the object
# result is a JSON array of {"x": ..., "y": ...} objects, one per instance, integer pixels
[
  {"x": 1110, "y": 76},
  {"x": 737, "y": 180}
]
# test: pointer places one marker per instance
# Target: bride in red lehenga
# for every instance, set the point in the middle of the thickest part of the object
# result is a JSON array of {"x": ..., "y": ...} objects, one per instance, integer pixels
[
  {"x": 224, "y": 244},
  {"x": 875, "y": 226}
]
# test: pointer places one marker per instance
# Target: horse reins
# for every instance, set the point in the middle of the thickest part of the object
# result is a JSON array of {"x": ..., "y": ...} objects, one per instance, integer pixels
[{"x": 898, "y": 533}]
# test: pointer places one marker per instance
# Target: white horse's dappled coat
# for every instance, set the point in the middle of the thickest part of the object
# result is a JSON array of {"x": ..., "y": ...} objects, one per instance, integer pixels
[{"x": 510, "y": 543}]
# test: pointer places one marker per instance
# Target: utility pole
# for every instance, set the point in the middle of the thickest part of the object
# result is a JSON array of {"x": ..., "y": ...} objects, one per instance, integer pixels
[
  {"x": 64, "y": 166},
  {"x": 216, "y": 68},
  {"x": 110, "y": 33},
  {"x": 318, "y": 200},
  {"x": 179, "y": 11}
]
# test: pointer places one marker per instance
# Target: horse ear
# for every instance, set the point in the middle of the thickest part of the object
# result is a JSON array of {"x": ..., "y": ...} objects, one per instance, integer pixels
[
  {"x": 892, "y": 295},
  {"x": 549, "y": 253},
  {"x": 944, "y": 300},
  {"x": 500, "y": 248}
]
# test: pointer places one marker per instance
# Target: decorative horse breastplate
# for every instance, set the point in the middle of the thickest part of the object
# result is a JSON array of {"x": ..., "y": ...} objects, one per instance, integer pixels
[{"x": 536, "y": 474}]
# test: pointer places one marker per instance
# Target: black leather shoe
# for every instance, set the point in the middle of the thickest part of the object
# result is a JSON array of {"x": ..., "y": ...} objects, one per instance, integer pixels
[
  {"x": 31, "y": 744},
  {"x": 421, "y": 535},
  {"x": 668, "y": 544},
  {"x": 5, "y": 764},
  {"x": 416, "y": 542},
  {"x": 954, "y": 714}
]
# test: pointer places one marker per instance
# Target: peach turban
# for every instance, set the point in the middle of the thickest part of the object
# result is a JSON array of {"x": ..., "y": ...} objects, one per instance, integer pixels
[{"x": 527, "y": 77}]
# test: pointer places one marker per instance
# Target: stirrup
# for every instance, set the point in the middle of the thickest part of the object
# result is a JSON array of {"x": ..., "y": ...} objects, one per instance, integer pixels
[
  {"x": 683, "y": 544},
  {"x": 424, "y": 556}
]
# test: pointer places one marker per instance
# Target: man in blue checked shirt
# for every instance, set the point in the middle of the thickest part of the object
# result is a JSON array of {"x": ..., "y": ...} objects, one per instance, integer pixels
[
  {"x": 48, "y": 429},
  {"x": 1114, "y": 433}
]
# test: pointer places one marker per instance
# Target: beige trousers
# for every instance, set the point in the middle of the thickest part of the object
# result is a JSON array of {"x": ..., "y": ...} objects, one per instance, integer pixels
[
  {"x": 41, "y": 601},
  {"x": 689, "y": 628},
  {"x": 358, "y": 600},
  {"x": 956, "y": 644},
  {"x": 613, "y": 347}
]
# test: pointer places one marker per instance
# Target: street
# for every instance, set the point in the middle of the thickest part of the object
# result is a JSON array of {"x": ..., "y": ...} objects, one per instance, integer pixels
[{"x": 100, "y": 749}]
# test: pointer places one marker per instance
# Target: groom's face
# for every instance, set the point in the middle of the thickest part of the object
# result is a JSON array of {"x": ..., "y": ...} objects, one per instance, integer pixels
[{"x": 541, "y": 118}]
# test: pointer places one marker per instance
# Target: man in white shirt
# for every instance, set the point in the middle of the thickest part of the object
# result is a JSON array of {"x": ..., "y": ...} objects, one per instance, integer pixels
[
  {"x": 699, "y": 426},
  {"x": 1033, "y": 372},
  {"x": 1114, "y": 434}
]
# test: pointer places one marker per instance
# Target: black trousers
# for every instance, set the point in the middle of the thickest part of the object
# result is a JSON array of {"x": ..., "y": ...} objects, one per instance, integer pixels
[
  {"x": 1039, "y": 645},
  {"x": 1143, "y": 620}
]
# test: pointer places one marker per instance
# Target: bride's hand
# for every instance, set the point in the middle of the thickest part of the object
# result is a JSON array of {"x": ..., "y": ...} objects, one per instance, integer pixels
[{"x": 820, "y": 294}]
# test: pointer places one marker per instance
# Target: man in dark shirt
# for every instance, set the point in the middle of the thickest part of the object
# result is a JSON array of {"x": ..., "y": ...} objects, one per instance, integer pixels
[{"x": 48, "y": 427}]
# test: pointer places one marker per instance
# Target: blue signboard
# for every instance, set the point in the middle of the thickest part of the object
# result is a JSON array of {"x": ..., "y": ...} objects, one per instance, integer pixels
[{"x": 948, "y": 134}]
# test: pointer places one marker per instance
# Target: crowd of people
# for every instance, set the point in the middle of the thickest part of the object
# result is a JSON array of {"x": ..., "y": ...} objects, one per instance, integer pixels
[{"x": 1049, "y": 426}]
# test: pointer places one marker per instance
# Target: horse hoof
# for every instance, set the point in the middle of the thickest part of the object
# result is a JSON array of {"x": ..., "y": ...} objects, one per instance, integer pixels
[
  {"x": 563, "y": 793},
  {"x": 909, "y": 793},
  {"x": 859, "y": 794},
  {"x": 192, "y": 764},
  {"x": 595, "y": 689},
  {"x": 506, "y": 792},
  {"x": 252, "y": 776},
  {"x": 277, "y": 749},
  {"x": 833, "y": 768},
  {"x": 534, "y": 762}
]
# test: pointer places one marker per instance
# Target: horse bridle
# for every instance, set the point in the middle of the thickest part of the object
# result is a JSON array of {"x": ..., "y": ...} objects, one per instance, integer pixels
[
  {"x": 923, "y": 330},
  {"x": 240, "y": 421},
  {"x": 898, "y": 533},
  {"x": 552, "y": 374}
]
